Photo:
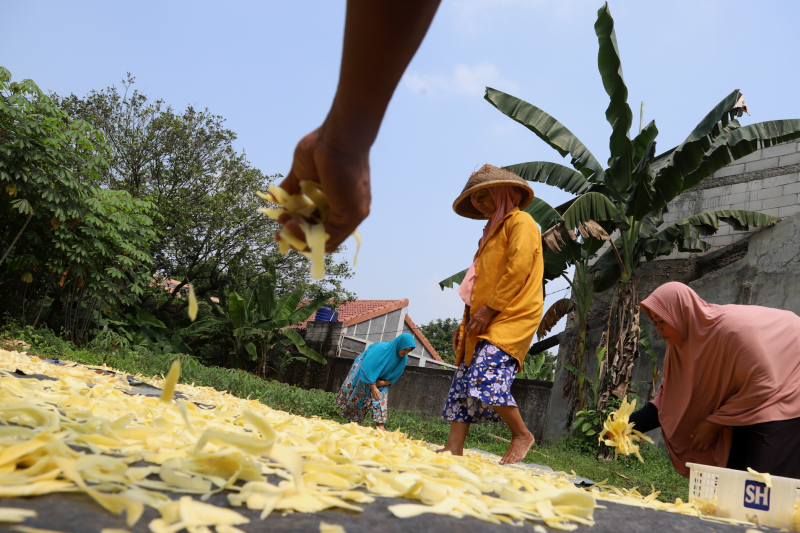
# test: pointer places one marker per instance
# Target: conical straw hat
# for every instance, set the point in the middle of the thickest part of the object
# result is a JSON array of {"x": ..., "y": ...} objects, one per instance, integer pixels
[{"x": 489, "y": 176}]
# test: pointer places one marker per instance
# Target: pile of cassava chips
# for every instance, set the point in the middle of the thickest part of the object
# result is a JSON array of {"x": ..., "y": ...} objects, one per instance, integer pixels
[
  {"x": 618, "y": 432},
  {"x": 83, "y": 433}
]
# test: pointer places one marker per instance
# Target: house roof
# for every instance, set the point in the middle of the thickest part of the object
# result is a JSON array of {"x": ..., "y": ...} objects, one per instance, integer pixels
[
  {"x": 352, "y": 313},
  {"x": 421, "y": 336}
]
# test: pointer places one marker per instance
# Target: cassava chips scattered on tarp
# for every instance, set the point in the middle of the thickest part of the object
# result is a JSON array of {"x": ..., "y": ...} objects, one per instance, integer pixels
[
  {"x": 619, "y": 433},
  {"x": 127, "y": 451},
  {"x": 310, "y": 208}
]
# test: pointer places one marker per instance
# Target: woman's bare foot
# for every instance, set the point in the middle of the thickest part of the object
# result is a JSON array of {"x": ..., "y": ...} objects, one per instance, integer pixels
[
  {"x": 381, "y": 427},
  {"x": 518, "y": 449},
  {"x": 453, "y": 450}
]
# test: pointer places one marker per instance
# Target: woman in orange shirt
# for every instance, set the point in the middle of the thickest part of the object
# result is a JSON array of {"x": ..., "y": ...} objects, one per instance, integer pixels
[{"x": 503, "y": 294}]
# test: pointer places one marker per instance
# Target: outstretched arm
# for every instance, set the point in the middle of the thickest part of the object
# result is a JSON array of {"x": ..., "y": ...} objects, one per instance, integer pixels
[{"x": 380, "y": 38}]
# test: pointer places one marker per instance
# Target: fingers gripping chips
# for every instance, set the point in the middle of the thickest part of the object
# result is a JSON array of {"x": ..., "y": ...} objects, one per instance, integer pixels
[{"x": 310, "y": 208}]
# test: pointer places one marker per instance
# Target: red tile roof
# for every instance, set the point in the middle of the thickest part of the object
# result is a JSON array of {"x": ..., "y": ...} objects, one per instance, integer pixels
[
  {"x": 359, "y": 311},
  {"x": 353, "y": 313}
]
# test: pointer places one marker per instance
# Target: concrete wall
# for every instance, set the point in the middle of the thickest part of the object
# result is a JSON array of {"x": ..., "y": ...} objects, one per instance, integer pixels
[
  {"x": 767, "y": 275},
  {"x": 756, "y": 267},
  {"x": 425, "y": 389}
]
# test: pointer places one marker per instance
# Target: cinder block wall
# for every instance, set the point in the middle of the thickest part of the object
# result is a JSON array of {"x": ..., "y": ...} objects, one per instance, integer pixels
[{"x": 425, "y": 389}]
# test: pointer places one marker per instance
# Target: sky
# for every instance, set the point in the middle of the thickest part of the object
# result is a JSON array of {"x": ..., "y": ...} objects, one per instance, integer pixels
[{"x": 271, "y": 68}]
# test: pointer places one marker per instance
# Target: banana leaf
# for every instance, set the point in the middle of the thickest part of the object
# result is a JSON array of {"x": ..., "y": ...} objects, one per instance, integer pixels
[
  {"x": 739, "y": 142},
  {"x": 238, "y": 311},
  {"x": 687, "y": 156},
  {"x": 266, "y": 293},
  {"x": 301, "y": 346},
  {"x": 287, "y": 304},
  {"x": 543, "y": 213},
  {"x": 556, "y": 312},
  {"x": 307, "y": 310},
  {"x": 553, "y": 174},
  {"x": 591, "y": 206},
  {"x": 704, "y": 224},
  {"x": 618, "y": 113},
  {"x": 643, "y": 140},
  {"x": 548, "y": 129},
  {"x": 607, "y": 269}
]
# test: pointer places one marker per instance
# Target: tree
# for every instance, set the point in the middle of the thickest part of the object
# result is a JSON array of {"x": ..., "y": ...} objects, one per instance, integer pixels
[
  {"x": 439, "y": 333},
  {"x": 630, "y": 197},
  {"x": 258, "y": 325},
  {"x": 185, "y": 163},
  {"x": 66, "y": 242}
]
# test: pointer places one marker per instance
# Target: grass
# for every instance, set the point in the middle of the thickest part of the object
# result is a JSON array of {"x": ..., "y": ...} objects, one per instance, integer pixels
[{"x": 569, "y": 454}]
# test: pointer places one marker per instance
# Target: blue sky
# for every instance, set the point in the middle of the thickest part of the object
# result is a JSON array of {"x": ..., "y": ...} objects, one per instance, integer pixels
[{"x": 270, "y": 68}]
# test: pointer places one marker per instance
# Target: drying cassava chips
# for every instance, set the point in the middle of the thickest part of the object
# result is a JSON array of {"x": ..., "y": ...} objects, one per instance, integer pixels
[
  {"x": 193, "y": 308},
  {"x": 618, "y": 432},
  {"x": 12, "y": 514},
  {"x": 82, "y": 432},
  {"x": 310, "y": 208}
]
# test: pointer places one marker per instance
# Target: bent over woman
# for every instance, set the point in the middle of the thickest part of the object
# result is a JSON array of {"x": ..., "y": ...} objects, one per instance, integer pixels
[
  {"x": 503, "y": 294},
  {"x": 730, "y": 393},
  {"x": 366, "y": 387}
]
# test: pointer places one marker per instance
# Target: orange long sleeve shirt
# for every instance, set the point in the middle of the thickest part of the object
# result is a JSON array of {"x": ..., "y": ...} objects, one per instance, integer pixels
[{"x": 508, "y": 278}]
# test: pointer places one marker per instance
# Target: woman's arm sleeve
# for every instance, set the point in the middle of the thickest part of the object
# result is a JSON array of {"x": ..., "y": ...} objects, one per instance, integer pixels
[{"x": 646, "y": 418}]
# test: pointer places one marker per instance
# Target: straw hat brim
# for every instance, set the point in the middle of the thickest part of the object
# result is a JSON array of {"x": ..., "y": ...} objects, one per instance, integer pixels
[{"x": 463, "y": 205}]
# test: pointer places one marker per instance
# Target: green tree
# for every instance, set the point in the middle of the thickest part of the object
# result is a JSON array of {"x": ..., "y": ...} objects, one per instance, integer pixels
[
  {"x": 258, "y": 327},
  {"x": 632, "y": 196},
  {"x": 69, "y": 246},
  {"x": 185, "y": 163},
  {"x": 439, "y": 333}
]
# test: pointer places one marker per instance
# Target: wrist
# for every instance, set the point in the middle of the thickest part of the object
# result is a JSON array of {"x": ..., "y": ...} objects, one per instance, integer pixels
[{"x": 348, "y": 134}]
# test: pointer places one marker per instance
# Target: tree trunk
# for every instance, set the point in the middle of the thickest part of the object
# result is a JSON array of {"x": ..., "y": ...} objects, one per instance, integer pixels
[
  {"x": 623, "y": 341},
  {"x": 573, "y": 385}
]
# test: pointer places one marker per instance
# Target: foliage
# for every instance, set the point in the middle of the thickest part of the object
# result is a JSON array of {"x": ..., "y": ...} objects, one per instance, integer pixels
[
  {"x": 439, "y": 333},
  {"x": 68, "y": 245},
  {"x": 589, "y": 422},
  {"x": 184, "y": 162},
  {"x": 258, "y": 325},
  {"x": 596, "y": 384},
  {"x": 539, "y": 366}
]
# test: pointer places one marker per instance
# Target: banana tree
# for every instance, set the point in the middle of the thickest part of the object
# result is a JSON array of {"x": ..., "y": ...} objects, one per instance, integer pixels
[
  {"x": 259, "y": 325},
  {"x": 583, "y": 289},
  {"x": 630, "y": 196}
]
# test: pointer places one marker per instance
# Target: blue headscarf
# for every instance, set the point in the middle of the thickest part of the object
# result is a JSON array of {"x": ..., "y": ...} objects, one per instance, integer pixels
[{"x": 381, "y": 360}]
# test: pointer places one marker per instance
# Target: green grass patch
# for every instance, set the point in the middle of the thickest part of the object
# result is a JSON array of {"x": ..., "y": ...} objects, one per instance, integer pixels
[{"x": 568, "y": 454}]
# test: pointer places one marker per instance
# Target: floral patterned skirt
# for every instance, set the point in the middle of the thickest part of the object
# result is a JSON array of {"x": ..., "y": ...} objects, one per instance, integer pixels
[
  {"x": 486, "y": 382},
  {"x": 354, "y": 398}
]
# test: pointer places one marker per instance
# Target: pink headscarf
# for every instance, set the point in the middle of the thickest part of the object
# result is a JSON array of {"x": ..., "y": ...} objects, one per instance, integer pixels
[
  {"x": 506, "y": 198},
  {"x": 736, "y": 365}
]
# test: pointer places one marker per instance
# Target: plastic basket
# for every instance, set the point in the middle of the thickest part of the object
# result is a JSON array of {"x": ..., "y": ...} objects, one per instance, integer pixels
[{"x": 740, "y": 495}]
